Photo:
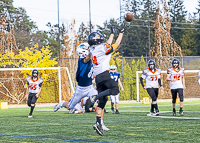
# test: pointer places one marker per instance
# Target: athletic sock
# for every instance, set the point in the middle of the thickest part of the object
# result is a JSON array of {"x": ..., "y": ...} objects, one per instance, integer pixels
[
  {"x": 99, "y": 120},
  {"x": 112, "y": 108},
  {"x": 156, "y": 106},
  {"x": 152, "y": 107},
  {"x": 174, "y": 110},
  {"x": 32, "y": 108},
  {"x": 181, "y": 109}
]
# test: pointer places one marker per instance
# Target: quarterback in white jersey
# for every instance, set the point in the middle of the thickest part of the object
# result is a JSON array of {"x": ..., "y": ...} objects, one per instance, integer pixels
[
  {"x": 152, "y": 78},
  {"x": 101, "y": 54},
  {"x": 175, "y": 75},
  {"x": 33, "y": 90}
]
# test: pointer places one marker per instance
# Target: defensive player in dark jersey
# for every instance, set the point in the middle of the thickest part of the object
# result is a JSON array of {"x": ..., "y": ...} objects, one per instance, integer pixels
[
  {"x": 101, "y": 54},
  {"x": 34, "y": 88},
  {"x": 115, "y": 98}
]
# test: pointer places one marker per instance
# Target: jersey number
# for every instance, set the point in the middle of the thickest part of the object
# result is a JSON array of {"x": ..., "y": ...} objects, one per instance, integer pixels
[
  {"x": 94, "y": 60},
  {"x": 178, "y": 77},
  {"x": 154, "y": 78},
  {"x": 33, "y": 86}
]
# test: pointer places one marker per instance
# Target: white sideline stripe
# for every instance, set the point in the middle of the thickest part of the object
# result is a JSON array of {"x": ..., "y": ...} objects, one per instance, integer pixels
[{"x": 191, "y": 118}]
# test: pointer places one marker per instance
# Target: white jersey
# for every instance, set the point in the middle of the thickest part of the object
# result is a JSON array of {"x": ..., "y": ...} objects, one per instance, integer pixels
[
  {"x": 175, "y": 75},
  {"x": 100, "y": 59},
  {"x": 151, "y": 78},
  {"x": 34, "y": 85}
]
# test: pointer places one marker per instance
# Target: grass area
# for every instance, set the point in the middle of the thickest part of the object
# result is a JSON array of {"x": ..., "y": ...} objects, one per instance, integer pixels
[{"x": 132, "y": 125}]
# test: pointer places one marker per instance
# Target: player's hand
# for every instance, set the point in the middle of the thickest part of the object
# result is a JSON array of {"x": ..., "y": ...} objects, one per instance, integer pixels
[
  {"x": 122, "y": 28},
  {"x": 122, "y": 89},
  {"x": 145, "y": 87},
  {"x": 26, "y": 96},
  {"x": 173, "y": 80},
  {"x": 112, "y": 29},
  {"x": 184, "y": 87},
  {"x": 161, "y": 88},
  {"x": 37, "y": 95}
]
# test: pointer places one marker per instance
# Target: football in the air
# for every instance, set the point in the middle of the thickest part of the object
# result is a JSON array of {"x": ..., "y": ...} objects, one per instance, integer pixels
[{"x": 128, "y": 17}]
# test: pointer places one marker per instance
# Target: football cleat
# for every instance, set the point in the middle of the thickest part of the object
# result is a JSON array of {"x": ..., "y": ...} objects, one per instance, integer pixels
[
  {"x": 56, "y": 108},
  {"x": 98, "y": 129},
  {"x": 93, "y": 98},
  {"x": 105, "y": 111},
  {"x": 72, "y": 111},
  {"x": 117, "y": 112},
  {"x": 157, "y": 112},
  {"x": 174, "y": 113},
  {"x": 104, "y": 128},
  {"x": 30, "y": 116},
  {"x": 181, "y": 112},
  {"x": 151, "y": 114},
  {"x": 112, "y": 109}
]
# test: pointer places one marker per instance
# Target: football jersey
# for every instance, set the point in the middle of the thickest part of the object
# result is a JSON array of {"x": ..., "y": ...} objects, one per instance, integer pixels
[
  {"x": 34, "y": 85},
  {"x": 99, "y": 58},
  {"x": 151, "y": 78},
  {"x": 115, "y": 76},
  {"x": 175, "y": 75},
  {"x": 84, "y": 74}
]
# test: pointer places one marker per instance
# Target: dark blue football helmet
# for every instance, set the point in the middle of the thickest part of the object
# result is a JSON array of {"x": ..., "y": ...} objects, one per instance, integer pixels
[
  {"x": 35, "y": 71},
  {"x": 95, "y": 38}
]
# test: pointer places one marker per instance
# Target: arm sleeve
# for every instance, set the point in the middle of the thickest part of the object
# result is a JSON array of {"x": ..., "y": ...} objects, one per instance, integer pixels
[
  {"x": 159, "y": 81},
  {"x": 40, "y": 85},
  {"x": 141, "y": 81}
]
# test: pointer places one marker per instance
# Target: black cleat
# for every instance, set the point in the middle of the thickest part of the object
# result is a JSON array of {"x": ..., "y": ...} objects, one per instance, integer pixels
[
  {"x": 181, "y": 112},
  {"x": 174, "y": 113},
  {"x": 93, "y": 99},
  {"x": 117, "y": 112},
  {"x": 105, "y": 111},
  {"x": 112, "y": 109},
  {"x": 98, "y": 129},
  {"x": 157, "y": 112}
]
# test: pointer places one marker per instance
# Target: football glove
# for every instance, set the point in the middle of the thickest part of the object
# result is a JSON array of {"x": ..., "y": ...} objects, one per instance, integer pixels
[
  {"x": 122, "y": 28},
  {"x": 112, "y": 29}
]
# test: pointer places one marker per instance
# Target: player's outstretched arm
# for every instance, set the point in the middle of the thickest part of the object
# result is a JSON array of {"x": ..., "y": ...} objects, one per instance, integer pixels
[
  {"x": 120, "y": 36},
  {"x": 112, "y": 32}
]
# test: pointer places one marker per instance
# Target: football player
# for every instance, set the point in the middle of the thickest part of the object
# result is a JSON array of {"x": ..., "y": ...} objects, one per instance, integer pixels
[
  {"x": 152, "y": 78},
  {"x": 84, "y": 76},
  {"x": 101, "y": 55},
  {"x": 33, "y": 90},
  {"x": 175, "y": 75},
  {"x": 115, "y": 98}
]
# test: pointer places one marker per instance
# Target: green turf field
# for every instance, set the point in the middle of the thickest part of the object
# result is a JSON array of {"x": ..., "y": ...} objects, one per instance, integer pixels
[{"x": 132, "y": 125}]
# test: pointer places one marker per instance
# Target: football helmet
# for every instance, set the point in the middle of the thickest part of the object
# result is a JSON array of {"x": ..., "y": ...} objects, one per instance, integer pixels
[
  {"x": 95, "y": 38},
  {"x": 35, "y": 71},
  {"x": 175, "y": 61},
  {"x": 113, "y": 67},
  {"x": 151, "y": 62},
  {"x": 82, "y": 50}
]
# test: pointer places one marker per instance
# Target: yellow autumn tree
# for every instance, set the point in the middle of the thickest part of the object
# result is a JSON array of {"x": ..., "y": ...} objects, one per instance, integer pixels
[{"x": 28, "y": 58}]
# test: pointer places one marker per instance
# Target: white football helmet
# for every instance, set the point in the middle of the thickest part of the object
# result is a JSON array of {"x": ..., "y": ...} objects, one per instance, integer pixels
[
  {"x": 113, "y": 68},
  {"x": 82, "y": 50}
]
